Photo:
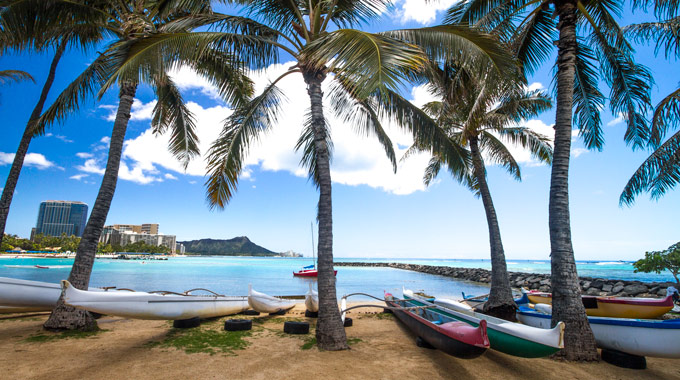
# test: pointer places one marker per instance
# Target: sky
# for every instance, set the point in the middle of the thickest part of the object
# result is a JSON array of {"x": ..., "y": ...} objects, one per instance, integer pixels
[{"x": 376, "y": 213}]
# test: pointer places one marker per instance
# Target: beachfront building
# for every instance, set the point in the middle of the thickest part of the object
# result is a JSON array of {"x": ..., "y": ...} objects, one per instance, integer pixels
[
  {"x": 124, "y": 234},
  {"x": 180, "y": 249},
  {"x": 61, "y": 217}
]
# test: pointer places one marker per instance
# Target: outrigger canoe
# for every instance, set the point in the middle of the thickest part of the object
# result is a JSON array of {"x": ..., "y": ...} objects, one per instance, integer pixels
[
  {"x": 641, "y": 337},
  {"x": 142, "y": 305},
  {"x": 265, "y": 303},
  {"x": 312, "y": 300},
  {"x": 443, "y": 332},
  {"x": 618, "y": 307},
  {"x": 504, "y": 336}
]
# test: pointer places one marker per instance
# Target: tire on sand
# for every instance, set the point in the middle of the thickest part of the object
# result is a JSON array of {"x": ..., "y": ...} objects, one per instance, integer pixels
[
  {"x": 186, "y": 323},
  {"x": 348, "y": 322},
  {"x": 238, "y": 324},
  {"x": 311, "y": 314},
  {"x": 291, "y": 327}
]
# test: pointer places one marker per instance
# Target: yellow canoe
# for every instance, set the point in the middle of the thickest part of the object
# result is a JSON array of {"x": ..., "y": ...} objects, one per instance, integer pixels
[{"x": 616, "y": 307}]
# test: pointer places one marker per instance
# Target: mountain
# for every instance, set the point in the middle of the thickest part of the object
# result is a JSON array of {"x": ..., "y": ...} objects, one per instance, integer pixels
[{"x": 238, "y": 246}]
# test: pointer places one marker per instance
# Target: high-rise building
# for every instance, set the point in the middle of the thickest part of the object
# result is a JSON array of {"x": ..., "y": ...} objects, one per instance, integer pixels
[
  {"x": 61, "y": 217},
  {"x": 124, "y": 234}
]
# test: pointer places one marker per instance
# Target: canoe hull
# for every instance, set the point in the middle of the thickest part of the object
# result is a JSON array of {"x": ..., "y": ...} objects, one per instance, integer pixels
[
  {"x": 14, "y": 292},
  {"x": 618, "y": 307},
  {"x": 654, "y": 338},
  {"x": 441, "y": 337},
  {"x": 312, "y": 300},
  {"x": 507, "y": 337},
  {"x": 141, "y": 305},
  {"x": 265, "y": 303}
]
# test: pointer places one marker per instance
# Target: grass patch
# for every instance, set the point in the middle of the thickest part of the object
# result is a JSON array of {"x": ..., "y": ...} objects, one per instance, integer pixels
[
  {"x": 309, "y": 343},
  {"x": 205, "y": 339},
  {"x": 69, "y": 334}
]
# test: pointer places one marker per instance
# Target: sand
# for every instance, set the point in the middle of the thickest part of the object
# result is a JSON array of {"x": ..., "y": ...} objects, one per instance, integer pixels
[{"x": 381, "y": 348}]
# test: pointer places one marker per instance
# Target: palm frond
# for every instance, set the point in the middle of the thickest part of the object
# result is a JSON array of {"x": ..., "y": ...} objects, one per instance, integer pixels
[
  {"x": 227, "y": 153},
  {"x": 307, "y": 142},
  {"x": 666, "y": 116},
  {"x": 370, "y": 61},
  {"x": 537, "y": 144},
  {"x": 171, "y": 112},
  {"x": 499, "y": 154},
  {"x": 588, "y": 100},
  {"x": 658, "y": 174},
  {"x": 666, "y": 35},
  {"x": 14, "y": 76},
  {"x": 533, "y": 41}
]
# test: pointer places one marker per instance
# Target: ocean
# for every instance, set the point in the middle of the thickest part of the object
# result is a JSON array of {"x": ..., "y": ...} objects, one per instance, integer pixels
[{"x": 231, "y": 275}]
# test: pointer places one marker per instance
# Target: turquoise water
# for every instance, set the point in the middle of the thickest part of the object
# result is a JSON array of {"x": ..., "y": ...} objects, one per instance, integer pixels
[{"x": 231, "y": 275}]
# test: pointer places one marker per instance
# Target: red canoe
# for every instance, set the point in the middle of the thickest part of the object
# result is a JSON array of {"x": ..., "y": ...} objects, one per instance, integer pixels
[
  {"x": 440, "y": 330},
  {"x": 309, "y": 273}
]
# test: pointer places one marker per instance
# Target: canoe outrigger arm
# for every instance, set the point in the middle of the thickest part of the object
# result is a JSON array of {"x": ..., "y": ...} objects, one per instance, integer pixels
[{"x": 380, "y": 299}]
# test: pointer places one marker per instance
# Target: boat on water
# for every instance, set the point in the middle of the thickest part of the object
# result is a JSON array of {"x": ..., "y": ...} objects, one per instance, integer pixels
[
  {"x": 618, "y": 307},
  {"x": 440, "y": 330},
  {"x": 641, "y": 337},
  {"x": 265, "y": 303},
  {"x": 508, "y": 337},
  {"x": 161, "y": 305},
  {"x": 312, "y": 299},
  {"x": 310, "y": 270}
]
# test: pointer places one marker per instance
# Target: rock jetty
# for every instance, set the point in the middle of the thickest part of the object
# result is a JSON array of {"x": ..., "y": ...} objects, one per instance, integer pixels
[{"x": 535, "y": 281}]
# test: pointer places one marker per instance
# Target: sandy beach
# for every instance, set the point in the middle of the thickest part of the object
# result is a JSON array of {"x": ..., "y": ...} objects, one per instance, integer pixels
[{"x": 381, "y": 348}]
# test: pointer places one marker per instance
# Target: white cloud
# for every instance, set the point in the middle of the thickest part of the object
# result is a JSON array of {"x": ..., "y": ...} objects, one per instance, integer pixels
[
  {"x": 105, "y": 140},
  {"x": 618, "y": 120},
  {"x": 578, "y": 151},
  {"x": 78, "y": 177},
  {"x": 420, "y": 12},
  {"x": 84, "y": 155},
  {"x": 140, "y": 110},
  {"x": 91, "y": 166},
  {"x": 31, "y": 159},
  {"x": 137, "y": 173},
  {"x": 187, "y": 79},
  {"x": 169, "y": 176},
  {"x": 536, "y": 86}
]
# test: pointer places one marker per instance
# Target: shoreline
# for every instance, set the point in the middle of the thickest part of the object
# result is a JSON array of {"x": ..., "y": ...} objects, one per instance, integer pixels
[
  {"x": 380, "y": 348},
  {"x": 534, "y": 281}
]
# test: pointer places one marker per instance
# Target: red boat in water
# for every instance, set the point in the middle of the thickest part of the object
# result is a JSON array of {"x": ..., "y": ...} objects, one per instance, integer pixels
[{"x": 309, "y": 272}]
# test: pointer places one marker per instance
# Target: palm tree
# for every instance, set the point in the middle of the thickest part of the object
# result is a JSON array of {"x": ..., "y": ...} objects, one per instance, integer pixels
[
  {"x": 585, "y": 32},
  {"x": 130, "y": 22},
  {"x": 21, "y": 28},
  {"x": 660, "y": 172},
  {"x": 366, "y": 69},
  {"x": 478, "y": 111}
]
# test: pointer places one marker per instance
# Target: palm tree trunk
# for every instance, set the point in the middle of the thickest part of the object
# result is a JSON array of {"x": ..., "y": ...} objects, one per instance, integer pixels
[
  {"x": 66, "y": 317},
  {"x": 18, "y": 163},
  {"x": 500, "y": 303},
  {"x": 579, "y": 342},
  {"x": 330, "y": 332}
]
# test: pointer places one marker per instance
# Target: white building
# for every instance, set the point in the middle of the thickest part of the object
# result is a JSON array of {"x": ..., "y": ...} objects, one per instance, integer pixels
[{"x": 121, "y": 234}]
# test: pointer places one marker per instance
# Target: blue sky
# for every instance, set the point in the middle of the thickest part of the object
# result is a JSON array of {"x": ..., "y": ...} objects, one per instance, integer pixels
[{"x": 376, "y": 213}]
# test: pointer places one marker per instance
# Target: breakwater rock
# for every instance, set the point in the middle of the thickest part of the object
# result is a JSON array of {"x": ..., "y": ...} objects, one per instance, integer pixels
[{"x": 534, "y": 281}]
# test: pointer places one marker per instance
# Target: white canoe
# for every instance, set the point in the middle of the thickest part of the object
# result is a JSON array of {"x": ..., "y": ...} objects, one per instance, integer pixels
[
  {"x": 642, "y": 337},
  {"x": 141, "y": 305},
  {"x": 312, "y": 300},
  {"x": 508, "y": 337},
  {"x": 267, "y": 304},
  {"x": 25, "y": 293}
]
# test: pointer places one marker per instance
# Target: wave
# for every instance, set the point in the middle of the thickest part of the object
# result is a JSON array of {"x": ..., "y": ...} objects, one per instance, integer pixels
[
  {"x": 611, "y": 263},
  {"x": 512, "y": 263},
  {"x": 34, "y": 266}
]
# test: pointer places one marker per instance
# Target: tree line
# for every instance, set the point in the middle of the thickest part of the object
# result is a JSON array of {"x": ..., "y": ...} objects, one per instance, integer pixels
[
  {"x": 476, "y": 63},
  {"x": 66, "y": 243}
]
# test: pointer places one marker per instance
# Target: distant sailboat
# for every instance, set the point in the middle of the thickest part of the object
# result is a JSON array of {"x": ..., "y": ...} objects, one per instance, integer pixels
[{"x": 310, "y": 270}]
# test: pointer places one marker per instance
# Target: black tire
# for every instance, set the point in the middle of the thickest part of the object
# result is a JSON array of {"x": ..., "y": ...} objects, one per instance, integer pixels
[
  {"x": 280, "y": 312},
  {"x": 387, "y": 311},
  {"x": 187, "y": 323},
  {"x": 238, "y": 324},
  {"x": 251, "y": 312},
  {"x": 624, "y": 360},
  {"x": 96, "y": 315},
  {"x": 311, "y": 314},
  {"x": 291, "y": 327},
  {"x": 420, "y": 342},
  {"x": 348, "y": 322}
]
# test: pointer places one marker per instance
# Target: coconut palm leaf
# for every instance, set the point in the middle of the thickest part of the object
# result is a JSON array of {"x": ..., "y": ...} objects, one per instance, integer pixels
[
  {"x": 14, "y": 76},
  {"x": 227, "y": 153},
  {"x": 537, "y": 144},
  {"x": 306, "y": 142},
  {"x": 588, "y": 100},
  {"x": 171, "y": 112},
  {"x": 666, "y": 35},
  {"x": 497, "y": 153}
]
